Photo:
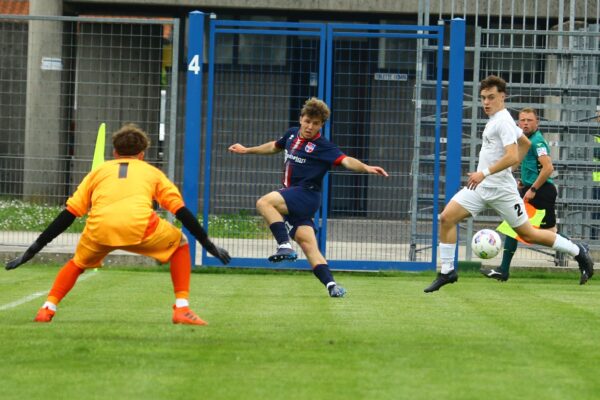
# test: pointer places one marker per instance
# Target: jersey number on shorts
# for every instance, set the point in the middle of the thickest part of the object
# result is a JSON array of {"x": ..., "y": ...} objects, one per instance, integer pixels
[
  {"x": 519, "y": 211},
  {"x": 123, "y": 170}
]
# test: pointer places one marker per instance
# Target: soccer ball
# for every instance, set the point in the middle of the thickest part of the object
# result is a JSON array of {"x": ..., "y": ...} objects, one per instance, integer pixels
[{"x": 486, "y": 244}]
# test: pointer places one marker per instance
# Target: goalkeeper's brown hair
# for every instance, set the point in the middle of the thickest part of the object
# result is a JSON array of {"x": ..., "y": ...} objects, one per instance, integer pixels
[
  {"x": 130, "y": 140},
  {"x": 315, "y": 108}
]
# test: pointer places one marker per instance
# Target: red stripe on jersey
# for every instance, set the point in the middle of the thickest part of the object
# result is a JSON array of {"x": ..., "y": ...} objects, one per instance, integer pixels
[
  {"x": 296, "y": 143},
  {"x": 287, "y": 176},
  {"x": 339, "y": 160}
]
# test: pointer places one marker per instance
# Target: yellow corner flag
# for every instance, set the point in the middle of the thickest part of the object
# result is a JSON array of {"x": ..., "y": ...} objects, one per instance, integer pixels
[
  {"x": 535, "y": 218},
  {"x": 99, "y": 149}
]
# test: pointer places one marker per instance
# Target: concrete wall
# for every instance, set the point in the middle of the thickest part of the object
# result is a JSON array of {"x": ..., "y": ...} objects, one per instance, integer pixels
[
  {"x": 59, "y": 81},
  {"x": 41, "y": 177},
  {"x": 468, "y": 7},
  {"x": 118, "y": 81}
]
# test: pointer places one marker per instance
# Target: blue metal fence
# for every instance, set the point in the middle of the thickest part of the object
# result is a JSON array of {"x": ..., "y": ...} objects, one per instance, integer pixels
[{"x": 260, "y": 74}]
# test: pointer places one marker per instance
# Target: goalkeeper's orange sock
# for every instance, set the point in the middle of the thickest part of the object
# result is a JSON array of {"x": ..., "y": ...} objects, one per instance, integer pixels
[
  {"x": 64, "y": 282},
  {"x": 181, "y": 264}
]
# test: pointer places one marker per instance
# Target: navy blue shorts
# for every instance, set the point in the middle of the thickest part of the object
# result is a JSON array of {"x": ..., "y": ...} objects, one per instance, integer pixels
[{"x": 302, "y": 204}]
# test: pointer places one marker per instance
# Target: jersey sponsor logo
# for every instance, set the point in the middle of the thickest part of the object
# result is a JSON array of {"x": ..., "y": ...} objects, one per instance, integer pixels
[
  {"x": 309, "y": 147},
  {"x": 289, "y": 156}
]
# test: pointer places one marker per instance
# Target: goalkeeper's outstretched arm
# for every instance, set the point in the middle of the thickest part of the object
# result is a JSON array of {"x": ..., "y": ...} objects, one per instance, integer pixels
[
  {"x": 190, "y": 222},
  {"x": 56, "y": 227}
]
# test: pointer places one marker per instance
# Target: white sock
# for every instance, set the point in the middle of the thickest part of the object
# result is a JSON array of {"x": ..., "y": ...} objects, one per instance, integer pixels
[
  {"x": 182, "y": 303},
  {"x": 564, "y": 245},
  {"x": 286, "y": 245},
  {"x": 447, "y": 251},
  {"x": 49, "y": 306},
  {"x": 330, "y": 284}
]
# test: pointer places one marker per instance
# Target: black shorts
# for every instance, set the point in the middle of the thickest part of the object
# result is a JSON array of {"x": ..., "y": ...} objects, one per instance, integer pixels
[{"x": 545, "y": 199}]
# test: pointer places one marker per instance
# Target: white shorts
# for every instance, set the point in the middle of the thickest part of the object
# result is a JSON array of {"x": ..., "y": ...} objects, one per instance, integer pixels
[{"x": 505, "y": 200}]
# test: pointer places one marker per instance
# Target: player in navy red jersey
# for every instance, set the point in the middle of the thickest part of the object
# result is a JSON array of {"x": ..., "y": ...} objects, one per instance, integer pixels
[{"x": 308, "y": 157}]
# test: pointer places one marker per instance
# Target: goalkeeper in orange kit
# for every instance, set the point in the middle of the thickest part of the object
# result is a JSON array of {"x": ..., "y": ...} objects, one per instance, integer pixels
[{"x": 117, "y": 197}]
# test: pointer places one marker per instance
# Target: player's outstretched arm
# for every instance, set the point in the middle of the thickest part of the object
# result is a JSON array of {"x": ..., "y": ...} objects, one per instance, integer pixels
[
  {"x": 56, "y": 227},
  {"x": 190, "y": 222},
  {"x": 353, "y": 164},
  {"x": 265, "y": 148},
  {"x": 238, "y": 148}
]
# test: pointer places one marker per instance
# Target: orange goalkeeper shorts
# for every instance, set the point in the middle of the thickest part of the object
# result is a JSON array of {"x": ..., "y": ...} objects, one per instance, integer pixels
[{"x": 160, "y": 245}]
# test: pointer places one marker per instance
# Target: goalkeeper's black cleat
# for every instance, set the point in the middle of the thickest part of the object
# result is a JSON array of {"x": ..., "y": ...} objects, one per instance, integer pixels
[
  {"x": 493, "y": 274},
  {"x": 441, "y": 280},
  {"x": 586, "y": 264}
]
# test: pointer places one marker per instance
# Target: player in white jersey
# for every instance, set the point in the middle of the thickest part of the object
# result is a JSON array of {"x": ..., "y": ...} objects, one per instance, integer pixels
[{"x": 493, "y": 185}]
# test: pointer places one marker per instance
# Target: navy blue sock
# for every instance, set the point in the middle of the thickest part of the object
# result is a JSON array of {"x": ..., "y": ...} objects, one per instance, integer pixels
[
  {"x": 322, "y": 272},
  {"x": 280, "y": 232}
]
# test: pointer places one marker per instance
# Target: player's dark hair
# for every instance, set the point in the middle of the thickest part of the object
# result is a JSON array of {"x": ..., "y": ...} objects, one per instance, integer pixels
[
  {"x": 130, "y": 140},
  {"x": 492, "y": 81},
  {"x": 530, "y": 110},
  {"x": 315, "y": 108}
]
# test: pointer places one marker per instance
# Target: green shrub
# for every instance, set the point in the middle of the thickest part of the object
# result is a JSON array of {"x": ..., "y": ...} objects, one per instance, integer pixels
[{"x": 16, "y": 215}]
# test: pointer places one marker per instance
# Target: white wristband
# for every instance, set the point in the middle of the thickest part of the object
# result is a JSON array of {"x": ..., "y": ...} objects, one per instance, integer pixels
[{"x": 486, "y": 172}]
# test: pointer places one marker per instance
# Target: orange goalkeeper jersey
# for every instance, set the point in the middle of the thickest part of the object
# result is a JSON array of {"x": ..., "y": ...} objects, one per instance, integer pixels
[{"x": 118, "y": 196}]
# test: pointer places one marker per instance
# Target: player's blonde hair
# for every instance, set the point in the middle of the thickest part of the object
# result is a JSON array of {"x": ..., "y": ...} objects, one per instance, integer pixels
[
  {"x": 130, "y": 140},
  {"x": 315, "y": 108}
]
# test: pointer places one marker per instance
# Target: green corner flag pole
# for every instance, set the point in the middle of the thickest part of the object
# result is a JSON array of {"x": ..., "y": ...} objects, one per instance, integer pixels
[{"x": 99, "y": 149}]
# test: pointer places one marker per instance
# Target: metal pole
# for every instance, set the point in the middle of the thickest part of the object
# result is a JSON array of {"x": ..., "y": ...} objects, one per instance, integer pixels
[
  {"x": 474, "y": 109},
  {"x": 456, "y": 83},
  {"x": 173, "y": 111},
  {"x": 414, "y": 169},
  {"x": 193, "y": 119}
]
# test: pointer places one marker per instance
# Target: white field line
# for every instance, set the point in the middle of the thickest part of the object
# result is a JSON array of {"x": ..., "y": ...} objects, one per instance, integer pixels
[{"x": 34, "y": 296}]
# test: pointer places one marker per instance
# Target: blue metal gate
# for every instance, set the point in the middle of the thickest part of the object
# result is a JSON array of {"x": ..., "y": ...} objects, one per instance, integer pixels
[{"x": 260, "y": 74}]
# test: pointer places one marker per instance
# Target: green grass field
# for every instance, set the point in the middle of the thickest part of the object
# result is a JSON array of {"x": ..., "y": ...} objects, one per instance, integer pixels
[{"x": 278, "y": 336}]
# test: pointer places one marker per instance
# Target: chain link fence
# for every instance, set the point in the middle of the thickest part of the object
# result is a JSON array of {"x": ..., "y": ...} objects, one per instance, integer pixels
[
  {"x": 60, "y": 78},
  {"x": 548, "y": 51}
]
